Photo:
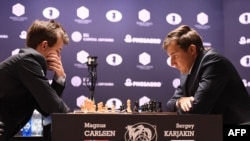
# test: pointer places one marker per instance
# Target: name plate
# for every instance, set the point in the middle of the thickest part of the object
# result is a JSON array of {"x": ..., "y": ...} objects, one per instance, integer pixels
[{"x": 136, "y": 127}]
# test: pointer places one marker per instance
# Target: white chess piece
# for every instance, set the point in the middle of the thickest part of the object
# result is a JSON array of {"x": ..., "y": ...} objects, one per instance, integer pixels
[
  {"x": 113, "y": 108},
  {"x": 129, "y": 106}
]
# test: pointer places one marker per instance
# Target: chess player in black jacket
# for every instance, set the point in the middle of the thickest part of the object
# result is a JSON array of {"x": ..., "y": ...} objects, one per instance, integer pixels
[
  {"x": 23, "y": 82},
  {"x": 210, "y": 84}
]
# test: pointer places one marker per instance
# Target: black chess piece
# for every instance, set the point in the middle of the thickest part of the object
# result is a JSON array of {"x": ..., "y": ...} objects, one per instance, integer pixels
[
  {"x": 159, "y": 107},
  {"x": 136, "y": 106},
  {"x": 150, "y": 106},
  {"x": 122, "y": 108}
]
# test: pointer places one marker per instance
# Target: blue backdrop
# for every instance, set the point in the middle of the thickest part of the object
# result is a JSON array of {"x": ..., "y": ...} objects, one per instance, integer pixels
[{"x": 127, "y": 38}]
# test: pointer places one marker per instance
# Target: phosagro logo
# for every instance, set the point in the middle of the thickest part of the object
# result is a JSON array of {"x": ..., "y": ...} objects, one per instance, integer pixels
[
  {"x": 141, "y": 131},
  {"x": 129, "y": 39},
  {"x": 244, "y": 40},
  {"x": 130, "y": 83}
]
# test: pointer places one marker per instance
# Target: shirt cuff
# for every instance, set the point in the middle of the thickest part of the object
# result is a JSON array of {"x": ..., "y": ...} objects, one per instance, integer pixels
[{"x": 60, "y": 80}]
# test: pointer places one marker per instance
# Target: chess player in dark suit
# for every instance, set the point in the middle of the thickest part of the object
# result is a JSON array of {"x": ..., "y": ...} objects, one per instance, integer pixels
[
  {"x": 210, "y": 84},
  {"x": 23, "y": 81}
]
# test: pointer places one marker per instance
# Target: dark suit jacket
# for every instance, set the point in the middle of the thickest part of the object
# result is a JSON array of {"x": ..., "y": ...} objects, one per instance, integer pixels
[
  {"x": 24, "y": 87},
  {"x": 216, "y": 87}
]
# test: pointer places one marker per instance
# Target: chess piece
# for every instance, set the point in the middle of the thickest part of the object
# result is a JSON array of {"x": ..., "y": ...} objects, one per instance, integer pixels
[
  {"x": 84, "y": 106},
  {"x": 129, "y": 106},
  {"x": 100, "y": 107},
  {"x": 92, "y": 106},
  {"x": 159, "y": 107},
  {"x": 136, "y": 107},
  {"x": 122, "y": 108},
  {"x": 150, "y": 106},
  {"x": 105, "y": 108},
  {"x": 113, "y": 108},
  {"x": 87, "y": 105}
]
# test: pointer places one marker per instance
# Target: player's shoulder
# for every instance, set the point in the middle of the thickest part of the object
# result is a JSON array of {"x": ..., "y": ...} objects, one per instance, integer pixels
[{"x": 212, "y": 54}]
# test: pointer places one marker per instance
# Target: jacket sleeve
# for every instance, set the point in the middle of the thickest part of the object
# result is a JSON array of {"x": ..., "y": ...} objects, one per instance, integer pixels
[
  {"x": 212, "y": 78},
  {"x": 171, "y": 104},
  {"x": 32, "y": 75}
]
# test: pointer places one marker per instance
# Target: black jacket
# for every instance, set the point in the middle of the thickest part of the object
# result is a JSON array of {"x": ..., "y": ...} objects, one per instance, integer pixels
[
  {"x": 217, "y": 89},
  {"x": 24, "y": 87}
]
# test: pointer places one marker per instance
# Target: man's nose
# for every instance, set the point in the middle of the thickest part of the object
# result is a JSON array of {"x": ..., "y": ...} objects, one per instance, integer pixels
[{"x": 172, "y": 62}]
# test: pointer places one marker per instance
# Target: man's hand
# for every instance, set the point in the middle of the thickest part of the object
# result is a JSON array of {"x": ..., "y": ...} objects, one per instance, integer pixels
[
  {"x": 55, "y": 64},
  {"x": 185, "y": 103}
]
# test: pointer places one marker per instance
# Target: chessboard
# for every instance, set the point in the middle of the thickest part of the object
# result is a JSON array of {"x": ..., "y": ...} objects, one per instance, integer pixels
[{"x": 89, "y": 107}]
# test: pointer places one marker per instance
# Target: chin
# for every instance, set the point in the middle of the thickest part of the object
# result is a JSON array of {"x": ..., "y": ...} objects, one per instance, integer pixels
[{"x": 183, "y": 72}]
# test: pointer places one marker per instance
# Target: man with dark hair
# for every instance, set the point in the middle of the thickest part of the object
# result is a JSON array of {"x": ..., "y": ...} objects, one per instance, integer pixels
[
  {"x": 24, "y": 85},
  {"x": 210, "y": 84}
]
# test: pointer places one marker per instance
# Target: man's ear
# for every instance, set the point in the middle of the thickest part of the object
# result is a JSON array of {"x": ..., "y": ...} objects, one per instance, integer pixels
[
  {"x": 192, "y": 49},
  {"x": 43, "y": 45}
]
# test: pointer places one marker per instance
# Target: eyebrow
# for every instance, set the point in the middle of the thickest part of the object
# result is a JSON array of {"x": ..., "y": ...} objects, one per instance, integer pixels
[{"x": 172, "y": 53}]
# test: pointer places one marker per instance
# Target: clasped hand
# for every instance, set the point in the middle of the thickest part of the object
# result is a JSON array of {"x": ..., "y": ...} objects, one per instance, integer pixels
[{"x": 54, "y": 63}]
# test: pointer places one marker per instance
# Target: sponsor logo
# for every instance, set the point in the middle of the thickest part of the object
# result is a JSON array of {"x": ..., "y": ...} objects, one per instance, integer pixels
[
  {"x": 144, "y": 60},
  {"x": 176, "y": 82},
  {"x": 18, "y": 10},
  {"x": 82, "y": 13},
  {"x": 245, "y": 61},
  {"x": 146, "y": 84},
  {"x": 202, "y": 20},
  {"x": 77, "y": 36},
  {"x": 4, "y": 36},
  {"x": 143, "y": 100},
  {"x": 51, "y": 13},
  {"x": 244, "y": 41},
  {"x": 141, "y": 40},
  {"x": 114, "y": 16},
  {"x": 77, "y": 81},
  {"x": 14, "y": 52},
  {"x": 114, "y": 59},
  {"x": 168, "y": 61},
  {"x": 246, "y": 83},
  {"x": 23, "y": 34},
  {"x": 244, "y": 18},
  {"x": 114, "y": 102},
  {"x": 81, "y": 58},
  {"x": 144, "y": 17},
  {"x": 173, "y": 19}
]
